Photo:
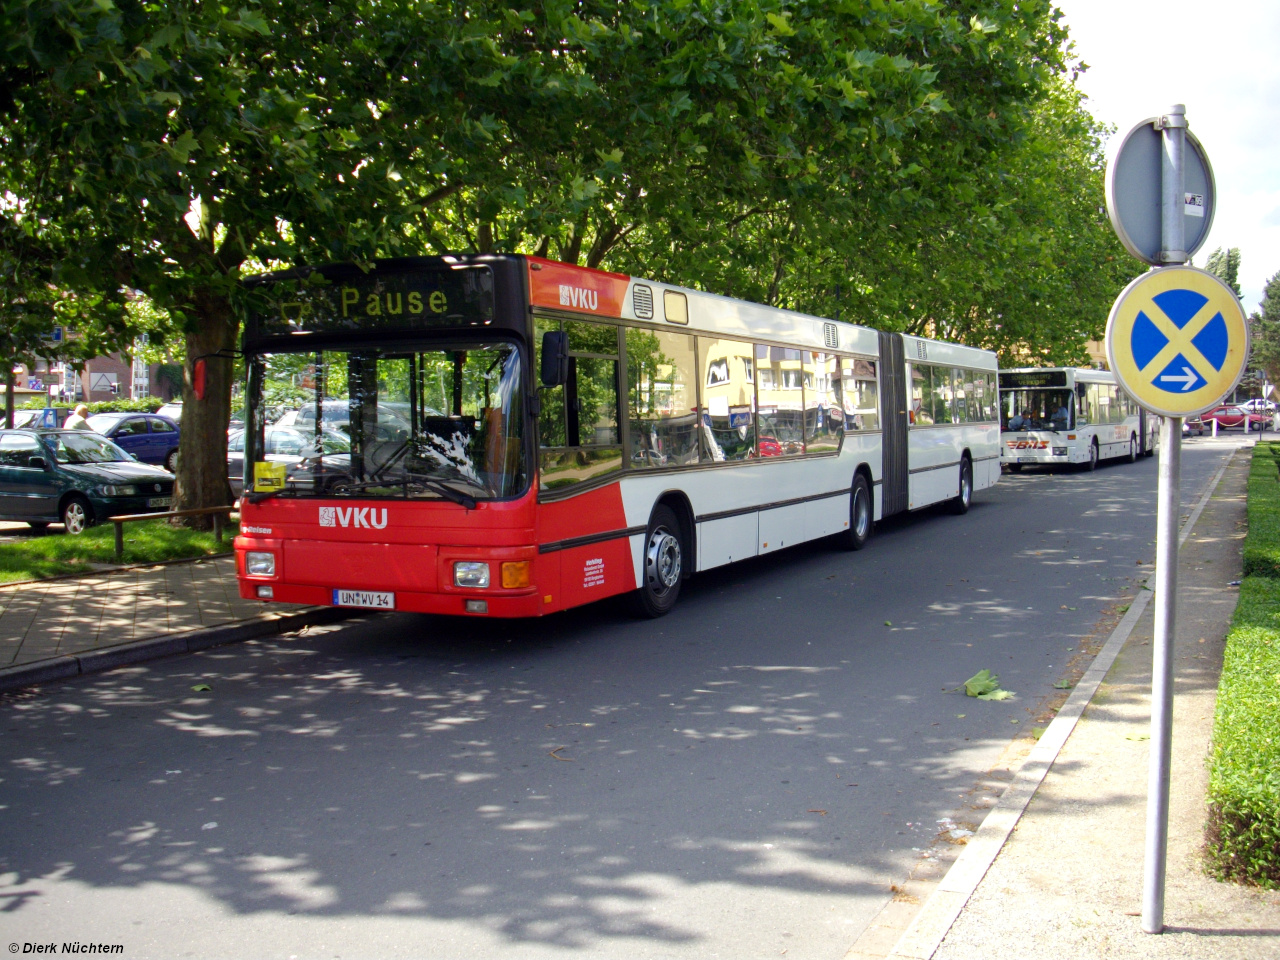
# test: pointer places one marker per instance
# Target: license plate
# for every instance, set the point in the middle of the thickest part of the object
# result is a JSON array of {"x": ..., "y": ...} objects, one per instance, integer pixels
[
  {"x": 364, "y": 598},
  {"x": 1026, "y": 459},
  {"x": 160, "y": 501}
]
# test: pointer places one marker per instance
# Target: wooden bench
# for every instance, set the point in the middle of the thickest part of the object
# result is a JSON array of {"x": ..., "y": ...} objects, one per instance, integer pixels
[{"x": 218, "y": 522}]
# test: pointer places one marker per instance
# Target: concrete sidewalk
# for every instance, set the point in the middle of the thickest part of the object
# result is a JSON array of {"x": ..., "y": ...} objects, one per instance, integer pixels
[
  {"x": 61, "y": 628},
  {"x": 1067, "y": 882}
]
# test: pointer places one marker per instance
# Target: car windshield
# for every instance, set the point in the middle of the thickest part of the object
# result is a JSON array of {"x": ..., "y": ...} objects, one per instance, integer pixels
[
  {"x": 403, "y": 422},
  {"x": 82, "y": 447},
  {"x": 102, "y": 422}
]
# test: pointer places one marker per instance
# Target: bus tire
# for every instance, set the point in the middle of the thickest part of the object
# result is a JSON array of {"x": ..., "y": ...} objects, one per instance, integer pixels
[
  {"x": 860, "y": 516},
  {"x": 1092, "y": 462},
  {"x": 663, "y": 564},
  {"x": 960, "y": 505},
  {"x": 1014, "y": 467},
  {"x": 1133, "y": 449}
]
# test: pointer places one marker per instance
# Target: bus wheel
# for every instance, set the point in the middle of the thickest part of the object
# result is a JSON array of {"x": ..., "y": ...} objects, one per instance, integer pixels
[
  {"x": 960, "y": 505},
  {"x": 1014, "y": 467},
  {"x": 1092, "y": 464},
  {"x": 860, "y": 522},
  {"x": 1133, "y": 449},
  {"x": 663, "y": 564}
]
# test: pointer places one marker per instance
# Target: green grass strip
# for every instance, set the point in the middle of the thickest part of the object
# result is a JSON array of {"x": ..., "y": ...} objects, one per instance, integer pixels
[
  {"x": 1243, "y": 830},
  {"x": 146, "y": 541},
  {"x": 1262, "y": 546}
]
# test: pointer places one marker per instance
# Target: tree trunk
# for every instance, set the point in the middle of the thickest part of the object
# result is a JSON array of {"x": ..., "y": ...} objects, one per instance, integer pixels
[{"x": 202, "y": 449}]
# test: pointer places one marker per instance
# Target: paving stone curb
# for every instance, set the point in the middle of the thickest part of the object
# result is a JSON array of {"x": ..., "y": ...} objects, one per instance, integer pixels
[{"x": 151, "y": 648}]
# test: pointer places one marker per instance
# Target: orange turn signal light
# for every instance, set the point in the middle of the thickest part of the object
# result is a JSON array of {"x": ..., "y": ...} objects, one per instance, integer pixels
[{"x": 516, "y": 573}]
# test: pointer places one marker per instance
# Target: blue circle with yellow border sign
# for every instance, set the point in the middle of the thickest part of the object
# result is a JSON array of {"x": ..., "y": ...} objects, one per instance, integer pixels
[{"x": 1177, "y": 340}]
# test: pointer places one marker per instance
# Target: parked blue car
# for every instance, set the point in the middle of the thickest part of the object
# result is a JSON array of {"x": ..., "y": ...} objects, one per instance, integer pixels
[
  {"x": 150, "y": 438},
  {"x": 76, "y": 478}
]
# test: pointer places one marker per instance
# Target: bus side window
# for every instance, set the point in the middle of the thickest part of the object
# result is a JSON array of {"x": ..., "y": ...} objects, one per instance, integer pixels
[
  {"x": 728, "y": 426},
  {"x": 779, "y": 389},
  {"x": 551, "y": 426},
  {"x": 1109, "y": 412},
  {"x": 962, "y": 383},
  {"x": 822, "y": 414},
  {"x": 578, "y": 422},
  {"x": 860, "y": 394},
  {"x": 921, "y": 414},
  {"x": 940, "y": 377},
  {"x": 662, "y": 398}
]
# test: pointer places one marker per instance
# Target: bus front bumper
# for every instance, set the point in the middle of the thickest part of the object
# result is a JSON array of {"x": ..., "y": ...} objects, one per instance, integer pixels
[
  {"x": 460, "y": 605},
  {"x": 418, "y": 578}
]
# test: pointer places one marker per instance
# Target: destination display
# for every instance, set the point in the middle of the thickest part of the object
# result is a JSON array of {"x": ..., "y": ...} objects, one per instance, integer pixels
[
  {"x": 1049, "y": 378},
  {"x": 384, "y": 299}
]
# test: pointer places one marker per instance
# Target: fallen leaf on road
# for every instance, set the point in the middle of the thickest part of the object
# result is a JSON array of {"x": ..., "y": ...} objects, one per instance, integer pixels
[
  {"x": 985, "y": 685},
  {"x": 202, "y": 688},
  {"x": 556, "y": 753}
]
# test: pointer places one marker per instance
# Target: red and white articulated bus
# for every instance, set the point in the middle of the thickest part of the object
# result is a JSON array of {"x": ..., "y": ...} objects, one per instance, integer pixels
[{"x": 506, "y": 436}]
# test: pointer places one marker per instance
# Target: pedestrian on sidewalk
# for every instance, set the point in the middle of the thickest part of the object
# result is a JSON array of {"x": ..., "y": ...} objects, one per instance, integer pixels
[{"x": 78, "y": 419}]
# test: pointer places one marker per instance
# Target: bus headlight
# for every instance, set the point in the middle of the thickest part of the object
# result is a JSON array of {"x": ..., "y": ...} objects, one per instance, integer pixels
[
  {"x": 260, "y": 564},
  {"x": 470, "y": 573}
]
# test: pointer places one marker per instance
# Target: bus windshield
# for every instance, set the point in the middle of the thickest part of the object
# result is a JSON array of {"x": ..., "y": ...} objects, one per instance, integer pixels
[
  {"x": 1035, "y": 410},
  {"x": 418, "y": 423}
]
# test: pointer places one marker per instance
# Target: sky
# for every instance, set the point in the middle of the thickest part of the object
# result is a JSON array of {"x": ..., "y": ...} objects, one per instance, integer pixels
[{"x": 1220, "y": 59}]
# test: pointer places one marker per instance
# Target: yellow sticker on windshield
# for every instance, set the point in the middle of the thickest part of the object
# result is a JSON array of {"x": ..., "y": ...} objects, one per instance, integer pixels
[{"x": 268, "y": 476}]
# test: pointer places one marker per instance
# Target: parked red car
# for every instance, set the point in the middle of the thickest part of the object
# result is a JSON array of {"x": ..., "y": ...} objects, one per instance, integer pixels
[{"x": 1233, "y": 416}]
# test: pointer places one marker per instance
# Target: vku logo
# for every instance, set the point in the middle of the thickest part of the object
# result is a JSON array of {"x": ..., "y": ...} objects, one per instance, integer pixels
[
  {"x": 357, "y": 517},
  {"x": 578, "y": 297}
]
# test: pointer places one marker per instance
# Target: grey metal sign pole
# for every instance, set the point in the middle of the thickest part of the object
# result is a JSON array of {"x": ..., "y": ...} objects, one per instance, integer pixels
[{"x": 1173, "y": 129}]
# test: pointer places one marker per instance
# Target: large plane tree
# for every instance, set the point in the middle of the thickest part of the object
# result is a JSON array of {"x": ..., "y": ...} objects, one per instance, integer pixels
[{"x": 876, "y": 160}]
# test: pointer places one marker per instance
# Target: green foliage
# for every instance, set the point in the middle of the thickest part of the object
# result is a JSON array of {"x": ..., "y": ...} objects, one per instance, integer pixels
[
  {"x": 120, "y": 405},
  {"x": 912, "y": 165},
  {"x": 1262, "y": 545},
  {"x": 55, "y": 554},
  {"x": 1243, "y": 829},
  {"x": 1225, "y": 265},
  {"x": 1265, "y": 330}
]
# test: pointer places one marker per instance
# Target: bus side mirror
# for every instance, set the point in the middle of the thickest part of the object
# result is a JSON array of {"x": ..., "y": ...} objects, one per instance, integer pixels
[{"x": 555, "y": 358}]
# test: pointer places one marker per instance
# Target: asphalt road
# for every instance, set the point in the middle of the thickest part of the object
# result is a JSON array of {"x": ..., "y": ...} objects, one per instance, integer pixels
[{"x": 744, "y": 778}]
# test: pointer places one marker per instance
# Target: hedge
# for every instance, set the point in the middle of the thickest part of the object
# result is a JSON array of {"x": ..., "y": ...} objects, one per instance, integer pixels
[
  {"x": 121, "y": 405},
  {"x": 1243, "y": 829},
  {"x": 1262, "y": 545}
]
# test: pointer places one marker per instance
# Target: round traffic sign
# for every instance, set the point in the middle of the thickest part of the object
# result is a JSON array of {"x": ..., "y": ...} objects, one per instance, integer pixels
[
  {"x": 1177, "y": 340},
  {"x": 1133, "y": 191}
]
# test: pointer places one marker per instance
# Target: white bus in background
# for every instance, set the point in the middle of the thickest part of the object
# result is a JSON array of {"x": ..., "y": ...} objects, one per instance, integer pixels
[{"x": 1070, "y": 415}]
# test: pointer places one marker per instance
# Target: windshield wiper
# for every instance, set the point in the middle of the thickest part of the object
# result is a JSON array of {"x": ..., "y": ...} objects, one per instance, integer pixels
[
  {"x": 431, "y": 483},
  {"x": 449, "y": 493},
  {"x": 266, "y": 494}
]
